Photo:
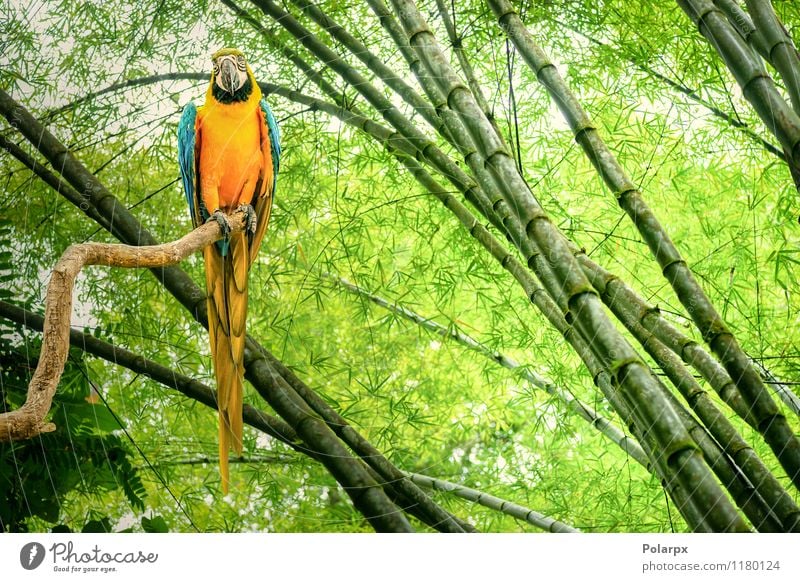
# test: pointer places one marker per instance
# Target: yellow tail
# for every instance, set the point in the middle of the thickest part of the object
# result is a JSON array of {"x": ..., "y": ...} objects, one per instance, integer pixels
[{"x": 226, "y": 284}]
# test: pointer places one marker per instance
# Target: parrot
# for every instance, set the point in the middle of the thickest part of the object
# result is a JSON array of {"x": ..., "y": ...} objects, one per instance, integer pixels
[{"x": 229, "y": 154}]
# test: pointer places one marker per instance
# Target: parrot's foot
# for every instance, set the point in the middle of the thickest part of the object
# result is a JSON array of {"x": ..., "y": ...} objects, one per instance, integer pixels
[
  {"x": 224, "y": 223},
  {"x": 250, "y": 218}
]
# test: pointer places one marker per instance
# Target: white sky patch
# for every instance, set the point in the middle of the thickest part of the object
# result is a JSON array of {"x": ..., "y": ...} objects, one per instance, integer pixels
[
  {"x": 126, "y": 521},
  {"x": 264, "y": 441}
]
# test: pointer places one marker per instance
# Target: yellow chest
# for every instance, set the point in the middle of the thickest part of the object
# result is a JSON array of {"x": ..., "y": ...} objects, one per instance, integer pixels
[{"x": 230, "y": 148}]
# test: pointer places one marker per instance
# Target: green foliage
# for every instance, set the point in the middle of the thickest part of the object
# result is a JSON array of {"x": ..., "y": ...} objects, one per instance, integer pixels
[
  {"x": 82, "y": 459},
  {"x": 345, "y": 206}
]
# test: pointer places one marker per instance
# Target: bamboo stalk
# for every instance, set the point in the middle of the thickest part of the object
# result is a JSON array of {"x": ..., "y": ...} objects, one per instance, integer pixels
[
  {"x": 574, "y": 404},
  {"x": 628, "y": 306},
  {"x": 688, "y": 506},
  {"x": 535, "y": 518},
  {"x": 757, "y": 86},
  {"x": 633, "y": 378},
  {"x": 755, "y": 489},
  {"x": 743, "y": 24},
  {"x": 779, "y": 47},
  {"x": 457, "y": 42},
  {"x": 776, "y": 430}
]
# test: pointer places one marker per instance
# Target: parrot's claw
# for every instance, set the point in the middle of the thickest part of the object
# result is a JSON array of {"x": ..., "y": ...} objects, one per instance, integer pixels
[
  {"x": 224, "y": 223},
  {"x": 250, "y": 218}
]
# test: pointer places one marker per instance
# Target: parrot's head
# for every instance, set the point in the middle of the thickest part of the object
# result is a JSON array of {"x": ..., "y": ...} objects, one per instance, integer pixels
[{"x": 231, "y": 77}]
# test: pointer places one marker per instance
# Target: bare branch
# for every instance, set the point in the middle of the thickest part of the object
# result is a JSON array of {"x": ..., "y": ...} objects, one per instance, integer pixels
[{"x": 29, "y": 420}]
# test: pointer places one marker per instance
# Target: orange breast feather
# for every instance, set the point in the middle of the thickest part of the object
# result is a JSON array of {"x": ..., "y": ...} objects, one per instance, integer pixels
[{"x": 230, "y": 153}]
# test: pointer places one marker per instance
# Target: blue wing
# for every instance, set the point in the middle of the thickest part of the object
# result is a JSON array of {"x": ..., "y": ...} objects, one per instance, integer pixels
[
  {"x": 274, "y": 142},
  {"x": 186, "y": 158}
]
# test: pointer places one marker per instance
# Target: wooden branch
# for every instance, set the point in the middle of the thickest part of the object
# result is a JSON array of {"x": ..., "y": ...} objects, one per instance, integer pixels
[{"x": 29, "y": 420}]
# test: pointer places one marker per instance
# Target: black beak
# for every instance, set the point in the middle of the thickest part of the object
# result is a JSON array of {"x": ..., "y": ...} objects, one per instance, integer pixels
[{"x": 229, "y": 76}]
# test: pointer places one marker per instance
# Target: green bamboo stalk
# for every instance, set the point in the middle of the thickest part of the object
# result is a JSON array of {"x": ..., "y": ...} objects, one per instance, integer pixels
[
  {"x": 457, "y": 43},
  {"x": 689, "y": 506},
  {"x": 776, "y": 429},
  {"x": 375, "y": 64},
  {"x": 633, "y": 378},
  {"x": 743, "y": 24},
  {"x": 628, "y": 306},
  {"x": 757, "y": 87},
  {"x": 620, "y": 297},
  {"x": 617, "y": 296},
  {"x": 575, "y": 405},
  {"x": 755, "y": 489},
  {"x": 535, "y": 518},
  {"x": 781, "y": 50}
]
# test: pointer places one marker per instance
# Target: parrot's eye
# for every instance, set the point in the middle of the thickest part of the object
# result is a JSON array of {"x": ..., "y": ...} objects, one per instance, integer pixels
[
  {"x": 216, "y": 68},
  {"x": 240, "y": 62}
]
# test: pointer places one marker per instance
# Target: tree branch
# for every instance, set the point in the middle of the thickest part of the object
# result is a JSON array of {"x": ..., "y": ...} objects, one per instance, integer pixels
[{"x": 28, "y": 420}]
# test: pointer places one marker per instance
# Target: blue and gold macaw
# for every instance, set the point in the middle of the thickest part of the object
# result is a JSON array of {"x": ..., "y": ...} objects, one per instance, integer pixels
[{"x": 229, "y": 153}]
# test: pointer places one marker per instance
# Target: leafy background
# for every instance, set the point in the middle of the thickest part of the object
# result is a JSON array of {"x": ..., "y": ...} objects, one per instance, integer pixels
[{"x": 137, "y": 456}]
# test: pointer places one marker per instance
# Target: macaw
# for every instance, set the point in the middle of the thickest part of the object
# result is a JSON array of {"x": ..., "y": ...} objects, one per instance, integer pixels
[{"x": 229, "y": 152}]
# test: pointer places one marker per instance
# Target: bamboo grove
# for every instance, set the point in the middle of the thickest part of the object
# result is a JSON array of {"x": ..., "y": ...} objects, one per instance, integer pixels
[{"x": 686, "y": 405}]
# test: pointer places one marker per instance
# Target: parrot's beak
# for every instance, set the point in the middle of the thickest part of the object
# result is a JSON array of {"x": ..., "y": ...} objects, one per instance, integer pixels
[{"x": 229, "y": 76}]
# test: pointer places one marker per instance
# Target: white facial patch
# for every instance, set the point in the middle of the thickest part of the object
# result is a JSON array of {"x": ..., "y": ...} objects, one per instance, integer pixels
[{"x": 230, "y": 73}]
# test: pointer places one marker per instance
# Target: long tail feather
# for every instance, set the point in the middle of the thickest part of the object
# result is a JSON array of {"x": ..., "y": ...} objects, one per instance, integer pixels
[{"x": 226, "y": 282}]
